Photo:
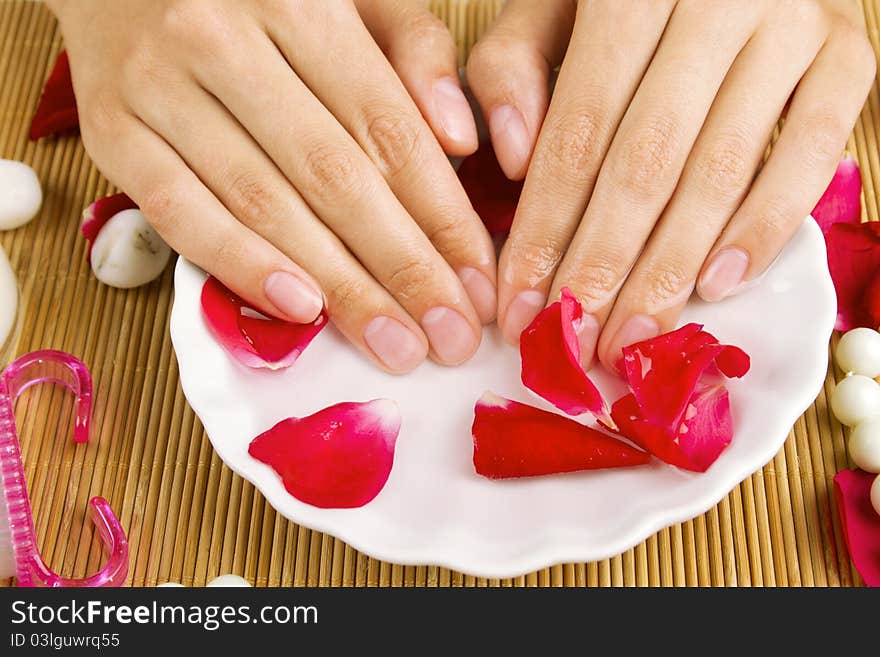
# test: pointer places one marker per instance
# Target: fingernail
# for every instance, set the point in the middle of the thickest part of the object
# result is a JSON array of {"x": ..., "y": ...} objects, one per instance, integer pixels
[
  {"x": 394, "y": 344},
  {"x": 520, "y": 313},
  {"x": 635, "y": 329},
  {"x": 588, "y": 336},
  {"x": 299, "y": 300},
  {"x": 454, "y": 112},
  {"x": 510, "y": 138},
  {"x": 481, "y": 292},
  {"x": 724, "y": 274},
  {"x": 450, "y": 335}
]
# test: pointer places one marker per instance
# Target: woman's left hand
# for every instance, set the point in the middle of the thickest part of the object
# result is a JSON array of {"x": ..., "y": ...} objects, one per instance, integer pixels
[{"x": 641, "y": 177}]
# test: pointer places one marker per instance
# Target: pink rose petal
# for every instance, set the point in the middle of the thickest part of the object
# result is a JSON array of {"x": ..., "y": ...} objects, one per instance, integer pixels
[
  {"x": 861, "y": 523},
  {"x": 338, "y": 458},
  {"x": 100, "y": 212},
  {"x": 251, "y": 337},
  {"x": 842, "y": 201},
  {"x": 516, "y": 440},
  {"x": 854, "y": 263},
  {"x": 551, "y": 360}
]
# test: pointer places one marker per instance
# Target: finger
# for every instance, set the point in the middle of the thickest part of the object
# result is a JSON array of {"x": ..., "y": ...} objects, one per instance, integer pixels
[
  {"x": 343, "y": 188},
  {"x": 822, "y": 113},
  {"x": 369, "y": 101},
  {"x": 715, "y": 180},
  {"x": 169, "y": 194},
  {"x": 246, "y": 181},
  {"x": 508, "y": 71},
  {"x": 647, "y": 156},
  {"x": 422, "y": 51},
  {"x": 595, "y": 85}
]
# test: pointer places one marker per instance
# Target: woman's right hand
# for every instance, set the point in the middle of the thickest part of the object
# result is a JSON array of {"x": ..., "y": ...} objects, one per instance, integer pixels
[{"x": 295, "y": 150}]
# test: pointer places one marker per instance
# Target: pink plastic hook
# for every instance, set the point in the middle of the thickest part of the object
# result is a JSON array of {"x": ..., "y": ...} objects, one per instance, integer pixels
[{"x": 30, "y": 570}]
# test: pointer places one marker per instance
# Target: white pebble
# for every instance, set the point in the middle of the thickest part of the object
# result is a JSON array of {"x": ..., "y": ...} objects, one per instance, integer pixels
[
  {"x": 170, "y": 585},
  {"x": 864, "y": 445},
  {"x": 127, "y": 251},
  {"x": 229, "y": 581},
  {"x": 875, "y": 494},
  {"x": 20, "y": 194},
  {"x": 8, "y": 303},
  {"x": 855, "y": 399},
  {"x": 859, "y": 352}
]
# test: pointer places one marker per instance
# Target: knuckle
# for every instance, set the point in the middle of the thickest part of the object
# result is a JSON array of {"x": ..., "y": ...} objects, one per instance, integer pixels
[
  {"x": 251, "y": 198},
  {"x": 392, "y": 141},
  {"x": 647, "y": 156},
  {"x": 824, "y": 136},
  {"x": 664, "y": 284},
  {"x": 346, "y": 296},
  {"x": 101, "y": 113},
  {"x": 198, "y": 23},
  {"x": 160, "y": 206},
  {"x": 573, "y": 146},
  {"x": 724, "y": 170},
  {"x": 771, "y": 221},
  {"x": 492, "y": 55},
  {"x": 450, "y": 236},
  {"x": 410, "y": 279},
  {"x": 426, "y": 32},
  {"x": 802, "y": 14},
  {"x": 537, "y": 255},
  {"x": 860, "y": 52},
  {"x": 333, "y": 175},
  {"x": 595, "y": 281}
]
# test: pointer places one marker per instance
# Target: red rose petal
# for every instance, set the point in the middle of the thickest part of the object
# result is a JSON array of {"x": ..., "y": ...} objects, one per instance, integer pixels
[
  {"x": 517, "y": 440},
  {"x": 492, "y": 194},
  {"x": 251, "y": 337},
  {"x": 704, "y": 432},
  {"x": 733, "y": 362},
  {"x": 663, "y": 371},
  {"x": 854, "y": 263},
  {"x": 338, "y": 458},
  {"x": 551, "y": 360},
  {"x": 861, "y": 523},
  {"x": 842, "y": 201},
  {"x": 56, "y": 111},
  {"x": 100, "y": 212}
]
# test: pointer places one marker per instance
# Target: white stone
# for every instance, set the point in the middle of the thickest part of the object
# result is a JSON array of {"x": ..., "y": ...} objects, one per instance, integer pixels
[
  {"x": 855, "y": 399},
  {"x": 127, "y": 251},
  {"x": 875, "y": 494},
  {"x": 20, "y": 194},
  {"x": 859, "y": 352},
  {"x": 8, "y": 304},
  {"x": 864, "y": 445},
  {"x": 229, "y": 581},
  {"x": 170, "y": 585}
]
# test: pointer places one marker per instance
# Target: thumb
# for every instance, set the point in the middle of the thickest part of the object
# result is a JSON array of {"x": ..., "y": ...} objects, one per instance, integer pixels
[
  {"x": 422, "y": 51},
  {"x": 508, "y": 70}
]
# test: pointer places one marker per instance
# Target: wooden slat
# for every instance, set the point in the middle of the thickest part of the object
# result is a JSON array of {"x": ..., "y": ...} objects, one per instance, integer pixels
[{"x": 190, "y": 518}]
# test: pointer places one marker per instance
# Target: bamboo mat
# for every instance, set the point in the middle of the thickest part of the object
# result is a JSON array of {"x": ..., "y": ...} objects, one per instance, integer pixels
[{"x": 189, "y": 518}]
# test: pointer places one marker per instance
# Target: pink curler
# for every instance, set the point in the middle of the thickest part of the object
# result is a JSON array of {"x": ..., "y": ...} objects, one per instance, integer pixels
[{"x": 19, "y": 554}]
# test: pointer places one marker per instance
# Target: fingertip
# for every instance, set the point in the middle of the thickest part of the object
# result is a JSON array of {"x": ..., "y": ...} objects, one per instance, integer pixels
[
  {"x": 297, "y": 299},
  {"x": 397, "y": 349},
  {"x": 524, "y": 307},
  {"x": 481, "y": 292},
  {"x": 511, "y": 140},
  {"x": 453, "y": 115},
  {"x": 724, "y": 274}
]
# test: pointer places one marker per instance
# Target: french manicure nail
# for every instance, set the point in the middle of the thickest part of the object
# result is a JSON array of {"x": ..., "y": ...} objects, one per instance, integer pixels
[
  {"x": 588, "y": 331},
  {"x": 724, "y": 274},
  {"x": 454, "y": 112},
  {"x": 635, "y": 329},
  {"x": 520, "y": 313},
  {"x": 481, "y": 292},
  {"x": 394, "y": 344},
  {"x": 510, "y": 138},
  {"x": 450, "y": 335},
  {"x": 299, "y": 300}
]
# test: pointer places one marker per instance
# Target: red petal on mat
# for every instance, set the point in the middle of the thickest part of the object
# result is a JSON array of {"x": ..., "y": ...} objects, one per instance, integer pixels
[
  {"x": 861, "y": 523},
  {"x": 842, "y": 201},
  {"x": 56, "y": 111},
  {"x": 492, "y": 194},
  {"x": 338, "y": 458},
  {"x": 704, "y": 432},
  {"x": 854, "y": 263},
  {"x": 551, "y": 364},
  {"x": 517, "y": 440},
  {"x": 251, "y": 337},
  {"x": 663, "y": 371},
  {"x": 100, "y": 212}
]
